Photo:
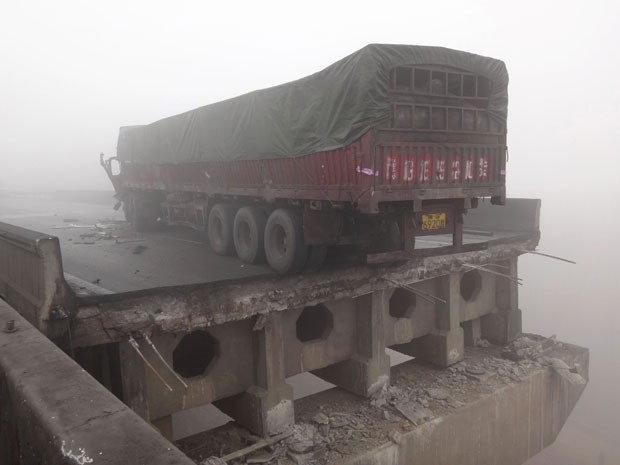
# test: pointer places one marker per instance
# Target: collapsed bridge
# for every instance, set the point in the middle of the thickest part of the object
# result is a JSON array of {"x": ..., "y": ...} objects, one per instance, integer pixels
[{"x": 235, "y": 343}]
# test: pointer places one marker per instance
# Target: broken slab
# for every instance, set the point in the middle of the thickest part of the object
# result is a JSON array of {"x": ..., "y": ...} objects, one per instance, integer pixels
[{"x": 505, "y": 418}]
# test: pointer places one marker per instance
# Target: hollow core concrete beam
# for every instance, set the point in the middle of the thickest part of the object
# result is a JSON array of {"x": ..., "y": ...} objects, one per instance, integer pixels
[{"x": 368, "y": 370}]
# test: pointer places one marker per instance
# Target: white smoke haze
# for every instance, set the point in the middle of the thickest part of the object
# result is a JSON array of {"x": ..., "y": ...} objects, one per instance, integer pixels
[{"x": 73, "y": 72}]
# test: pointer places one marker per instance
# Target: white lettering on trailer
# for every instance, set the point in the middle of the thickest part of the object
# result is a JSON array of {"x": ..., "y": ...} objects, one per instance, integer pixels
[
  {"x": 456, "y": 170},
  {"x": 441, "y": 169},
  {"x": 469, "y": 169},
  {"x": 409, "y": 171}
]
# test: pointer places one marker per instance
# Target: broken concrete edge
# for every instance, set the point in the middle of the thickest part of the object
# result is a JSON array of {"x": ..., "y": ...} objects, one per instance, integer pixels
[
  {"x": 563, "y": 390},
  {"x": 435, "y": 441},
  {"x": 111, "y": 318},
  {"x": 84, "y": 288},
  {"x": 498, "y": 421},
  {"x": 53, "y": 412}
]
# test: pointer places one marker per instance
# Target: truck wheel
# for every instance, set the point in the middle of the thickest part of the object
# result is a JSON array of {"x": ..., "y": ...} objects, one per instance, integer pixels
[
  {"x": 220, "y": 229},
  {"x": 249, "y": 234},
  {"x": 285, "y": 249},
  {"x": 316, "y": 258}
]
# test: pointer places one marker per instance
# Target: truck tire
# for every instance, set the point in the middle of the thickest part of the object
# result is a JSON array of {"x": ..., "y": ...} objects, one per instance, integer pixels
[
  {"x": 220, "y": 229},
  {"x": 285, "y": 249},
  {"x": 249, "y": 234}
]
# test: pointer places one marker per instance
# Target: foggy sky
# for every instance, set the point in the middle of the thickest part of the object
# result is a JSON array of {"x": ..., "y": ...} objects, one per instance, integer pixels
[{"x": 74, "y": 72}]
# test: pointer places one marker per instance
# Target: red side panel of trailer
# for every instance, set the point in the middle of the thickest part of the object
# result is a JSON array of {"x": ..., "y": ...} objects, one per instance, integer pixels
[{"x": 440, "y": 141}]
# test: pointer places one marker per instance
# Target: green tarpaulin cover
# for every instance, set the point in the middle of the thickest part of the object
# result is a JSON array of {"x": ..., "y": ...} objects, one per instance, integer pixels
[{"x": 324, "y": 111}]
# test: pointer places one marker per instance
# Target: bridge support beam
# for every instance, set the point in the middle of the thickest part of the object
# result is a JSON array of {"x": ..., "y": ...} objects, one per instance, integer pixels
[
  {"x": 504, "y": 325},
  {"x": 266, "y": 408},
  {"x": 368, "y": 371},
  {"x": 446, "y": 345}
]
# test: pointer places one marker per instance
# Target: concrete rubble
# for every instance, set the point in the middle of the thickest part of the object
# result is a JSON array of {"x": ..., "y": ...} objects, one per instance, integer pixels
[{"x": 336, "y": 426}]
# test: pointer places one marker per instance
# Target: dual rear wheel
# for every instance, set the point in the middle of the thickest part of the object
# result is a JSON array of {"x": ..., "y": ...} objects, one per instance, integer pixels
[{"x": 255, "y": 236}]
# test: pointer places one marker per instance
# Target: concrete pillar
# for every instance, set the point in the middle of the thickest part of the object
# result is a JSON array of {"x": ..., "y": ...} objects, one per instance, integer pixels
[
  {"x": 267, "y": 407},
  {"x": 473, "y": 331},
  {"x": 445, "y": 345},
  {"x": 504, "y": 324},
  {"x": 368, "y": 371},
  {"x": 136, "y": 385}
]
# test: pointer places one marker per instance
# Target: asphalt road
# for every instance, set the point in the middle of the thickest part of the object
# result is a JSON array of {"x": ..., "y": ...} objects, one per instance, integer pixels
[{"x": 97, "y": 247}]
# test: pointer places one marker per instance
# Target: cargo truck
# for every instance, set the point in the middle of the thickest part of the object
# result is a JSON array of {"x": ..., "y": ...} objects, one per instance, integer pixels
[{"x": 388, "y": 144}]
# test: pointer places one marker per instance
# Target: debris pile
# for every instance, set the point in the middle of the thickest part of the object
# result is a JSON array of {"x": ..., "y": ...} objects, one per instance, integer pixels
[
  {"x": 105, "y": 229},
  {"x": 339, "y": 427},
  {"x": 526, "y": 348}
]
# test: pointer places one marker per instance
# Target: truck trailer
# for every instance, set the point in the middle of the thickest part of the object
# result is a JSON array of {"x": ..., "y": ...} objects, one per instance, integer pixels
[{"x": 387, "y": 144}]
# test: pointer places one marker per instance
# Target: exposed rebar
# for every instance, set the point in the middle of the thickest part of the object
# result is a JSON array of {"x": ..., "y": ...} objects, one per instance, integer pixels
[
  {"x": 548, "y": 256},
  {"x": 136, "y": 347},
  {"x": 496, "y": 273},
  {"x": 148, "y": 340},
  {"x": 424, "y": 295}
]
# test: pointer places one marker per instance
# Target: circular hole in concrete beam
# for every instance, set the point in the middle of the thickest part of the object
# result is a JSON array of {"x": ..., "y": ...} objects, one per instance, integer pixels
[
  {"x": 402, "y": 303},
  {"x": 471, "y": 284},
  {"x": 194, "y": 354},
  {"x": 314, "y": 323}
]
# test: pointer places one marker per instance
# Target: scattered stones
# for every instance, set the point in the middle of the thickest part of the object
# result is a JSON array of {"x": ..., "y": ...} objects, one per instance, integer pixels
[
  {"x": 455, "y": 403},
  {"x": 562, "y": 369},
  {"x": 438, "y": 393},
  {"x": 260, "y": 456},
  {"x": 342, "y": 449},
  {"x": 338, "y": 421},
  {"x": 526, "y": 348},
  {"x": 557, "y": 364},
  {"x": 414, "y": 412},
  {"x": 337, "y": 432},
  {"x": 321, "y": 419},
  {"x": 396, "y": 437},
  {"x": 379, "y": 402},
  {"x": 475, "y": 370},
  {"x": 299, "y": 458},
  {"x": 213, "y": 461},
  {"x": 485, "y": 377},
  {"x": 302, "y": 439}
]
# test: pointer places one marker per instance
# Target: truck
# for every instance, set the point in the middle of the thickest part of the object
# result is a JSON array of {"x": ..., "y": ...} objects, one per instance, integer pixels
[{"x": 390, "y": 143}]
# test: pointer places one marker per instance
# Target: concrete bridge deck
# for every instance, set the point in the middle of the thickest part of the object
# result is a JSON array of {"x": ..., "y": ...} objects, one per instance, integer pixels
[{"x": 166, "y": 342}]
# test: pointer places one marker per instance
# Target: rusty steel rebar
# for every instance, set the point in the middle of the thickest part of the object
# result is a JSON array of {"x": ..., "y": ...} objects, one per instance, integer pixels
[
  {"x": 424, "y": 295},
  {"x": 170, "y": 369},
  {"x": 496, "y": 273},
  {"x": 136, "y": 347},
  {"x": 535, "y": 252}
]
